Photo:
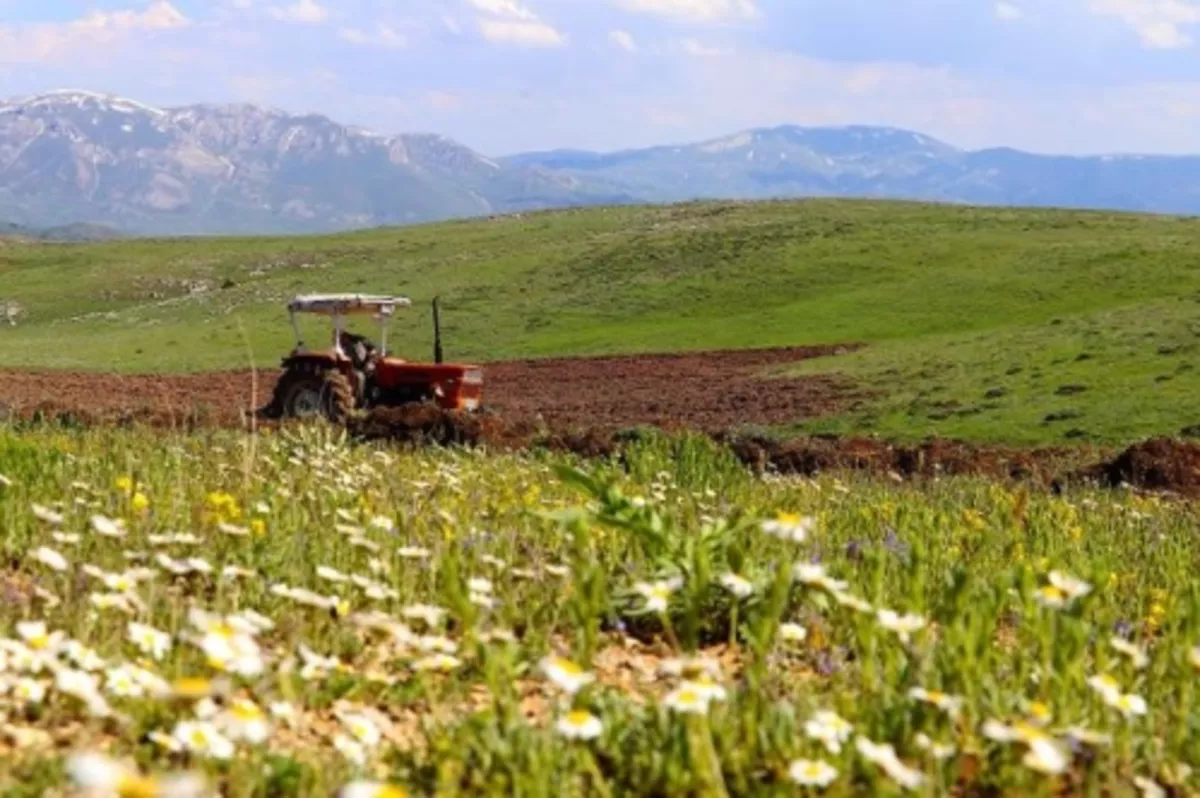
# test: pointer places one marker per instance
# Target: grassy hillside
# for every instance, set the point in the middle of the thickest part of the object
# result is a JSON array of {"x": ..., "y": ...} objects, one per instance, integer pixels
[{"x": 978, "y": 319}]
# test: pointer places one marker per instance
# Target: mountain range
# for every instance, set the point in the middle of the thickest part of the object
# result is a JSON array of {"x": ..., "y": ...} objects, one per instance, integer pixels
[{"x": 74, "y": 157}]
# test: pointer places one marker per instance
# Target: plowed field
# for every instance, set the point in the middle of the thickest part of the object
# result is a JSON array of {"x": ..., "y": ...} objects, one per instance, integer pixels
[{"x": 706, "y": 391}]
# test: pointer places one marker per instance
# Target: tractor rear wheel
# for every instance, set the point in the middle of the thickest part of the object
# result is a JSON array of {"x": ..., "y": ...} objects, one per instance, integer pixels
[{"x": 304, "y": 394}]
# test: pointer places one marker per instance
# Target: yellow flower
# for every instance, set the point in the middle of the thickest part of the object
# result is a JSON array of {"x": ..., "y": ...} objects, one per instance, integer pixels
[
  {"x": 124, "y": 484},
  {"x": 139, "y": 503},
  {"x": 258, "y": 526}
]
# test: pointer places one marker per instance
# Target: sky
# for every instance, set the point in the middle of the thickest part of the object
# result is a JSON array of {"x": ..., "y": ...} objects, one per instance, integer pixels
[{"x": 504, "y": 76}]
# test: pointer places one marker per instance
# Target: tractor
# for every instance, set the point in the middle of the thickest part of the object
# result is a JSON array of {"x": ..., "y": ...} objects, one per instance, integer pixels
[{"x": 354, "y": 375}]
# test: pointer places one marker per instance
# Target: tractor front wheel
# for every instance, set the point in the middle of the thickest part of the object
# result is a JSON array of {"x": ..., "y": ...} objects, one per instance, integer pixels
[{"x": 304, "y": 394}]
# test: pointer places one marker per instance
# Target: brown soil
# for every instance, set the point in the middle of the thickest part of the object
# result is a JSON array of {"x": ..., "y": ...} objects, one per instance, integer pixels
[
  {"x": 587, "y": 405},
  {"x": 707, "y": 391},
  {"x": 1160, "y": 464}
]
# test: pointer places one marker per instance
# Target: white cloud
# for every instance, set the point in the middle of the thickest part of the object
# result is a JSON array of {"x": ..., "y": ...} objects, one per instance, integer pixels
[
  {"x": 522, "y": 34},
  {"x": 505, "y": 8},
  {"x": 695, "y": 10},
  {"x": 693, "y": 47},
  {"x": 159, "y": 15},
  {"x": 519, "y": 25},
  {"x": 383, "y": 36},
  {"x": 623, "y": 40},
  {"x": 302, "y": 12},
  {"x": 1008, "y": 11},
  {"x": 1156, "y": 22},
  {"x": 37, "y": 43}
]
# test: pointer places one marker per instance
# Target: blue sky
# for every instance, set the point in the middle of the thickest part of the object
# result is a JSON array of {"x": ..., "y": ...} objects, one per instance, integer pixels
[{"x": 1076, "y": 76}]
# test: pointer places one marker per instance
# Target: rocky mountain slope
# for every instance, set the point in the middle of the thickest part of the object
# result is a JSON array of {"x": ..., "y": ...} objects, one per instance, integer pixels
[
  {"x": 70, "y": 157},
  {"x": 78, "y": 156},
  {"x": 862, "y": 161}
]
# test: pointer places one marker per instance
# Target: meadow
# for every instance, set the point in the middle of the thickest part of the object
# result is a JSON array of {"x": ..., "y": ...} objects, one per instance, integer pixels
[
  {"x": 1000, "y": 325},
  {"x": 293, "y": 614}
]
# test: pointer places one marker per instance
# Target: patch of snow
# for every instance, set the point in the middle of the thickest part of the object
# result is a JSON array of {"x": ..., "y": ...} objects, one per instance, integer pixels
[
  {"x": 288, "y": 139},
  {"x": 734, "y": 142},
  {"x": 82, "y": 99}
]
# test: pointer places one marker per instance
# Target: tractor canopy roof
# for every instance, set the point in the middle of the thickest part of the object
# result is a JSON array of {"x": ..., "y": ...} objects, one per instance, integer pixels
[{"x": 347, "y": 304}]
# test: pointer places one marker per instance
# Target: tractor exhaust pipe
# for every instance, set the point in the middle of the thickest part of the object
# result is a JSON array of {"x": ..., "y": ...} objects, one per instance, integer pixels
[{"x": 437, "y": 333}]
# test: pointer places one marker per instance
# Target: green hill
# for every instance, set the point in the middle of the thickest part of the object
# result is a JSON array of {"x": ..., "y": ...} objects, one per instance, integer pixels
[{"x": 980, "y": 322}]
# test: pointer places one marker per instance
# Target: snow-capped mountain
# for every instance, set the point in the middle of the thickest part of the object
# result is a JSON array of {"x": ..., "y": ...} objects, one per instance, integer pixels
[
  {"x": 80, "y": 157},
  {"x": 860, "y": 161},
  {"x": 71, "y": 156}
]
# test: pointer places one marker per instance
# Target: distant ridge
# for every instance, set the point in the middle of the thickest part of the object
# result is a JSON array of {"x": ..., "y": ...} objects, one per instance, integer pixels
[{"x": 69, "y": 155}]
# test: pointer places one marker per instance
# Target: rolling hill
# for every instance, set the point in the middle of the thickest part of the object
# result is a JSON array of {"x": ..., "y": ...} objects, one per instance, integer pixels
[{"x": 998, "y": 324}]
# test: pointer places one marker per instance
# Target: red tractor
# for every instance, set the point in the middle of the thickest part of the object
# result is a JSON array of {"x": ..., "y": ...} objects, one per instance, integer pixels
[{"x": 355, "y": 375}]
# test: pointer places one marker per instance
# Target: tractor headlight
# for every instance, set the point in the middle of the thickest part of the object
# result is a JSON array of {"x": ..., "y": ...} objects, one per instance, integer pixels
[{"x": 473, "y": 377}]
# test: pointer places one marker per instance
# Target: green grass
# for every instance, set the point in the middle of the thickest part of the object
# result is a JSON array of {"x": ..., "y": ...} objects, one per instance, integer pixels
[
  {"x": 564, "y": 551},
  {"x": 949, "y": 299}
]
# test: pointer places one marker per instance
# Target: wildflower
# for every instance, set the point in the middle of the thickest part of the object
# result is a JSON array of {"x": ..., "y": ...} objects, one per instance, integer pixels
[
  {"x": 884, "y": 756},
  {"x": 350, "y": 749},
  {"x": 1128, "y": 703},
  {"x": 85, "y": 658},
  {"x": 902, "y": 625},
  {"x": 120, "y": 681},
  {"x": 50, "y": 558},
  {"x": 66, "y": 538},
  {"x": 689, "y": 698},
  {"x": 793, "y": 632},
  {"x": 139, "y": 503},
  {"x": 430, "y": 615},
  {"x": 1135, "y": 652},
  {"x": 362, "y": 728},
  {"x": 331, "y": 574},
  {"x": 150, "y": 641},
  {"x": 442, "y": 663},
  {"x": 579, "y": 725},
  {"x": 413, "y": 553},
  {"x": 658, "y": 594},
  {"x": 1105, "y": 685},
  {"x": 108, "y": 527},
  {"x": 1045, "y": 756},
  {"x": 29, "y": 691},
  {"x": 1149, "y": 787},
  {"x": 201, "y": 737},
  {"x": 99, "y": 774},
  {"x": 829, "y": 728},
  {"x": 815, "y": 576},
  {"x": 691, "y": 667},
  {"x": 1073, "y": 588},
  {"x": 1038, "y": 712},
  {"x": 810, "y": 773},
  {"x": 46, "y": 514},
  {"x": 244, "y": 720},
  {"x": 566, "y": 675},
  {"x": 788, "y": 526},
  {"x": 37, "y": 638},
  {"x": 737, "y": 585},
  {"x": 371, "y": 789},
  {"x": 936, "y": 750},
  {"x": 947, "y": 703},
  {"x": 851, "y": 601}
]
